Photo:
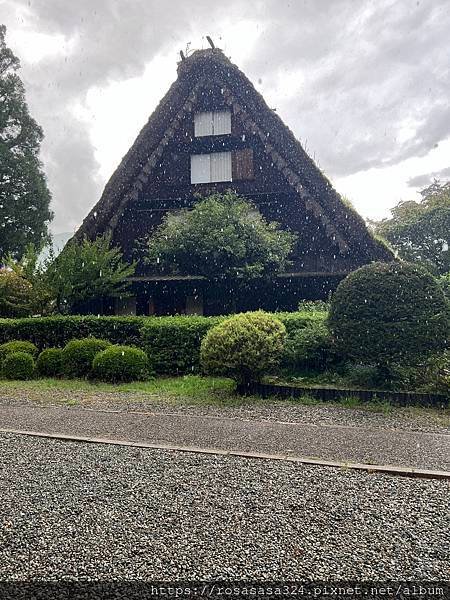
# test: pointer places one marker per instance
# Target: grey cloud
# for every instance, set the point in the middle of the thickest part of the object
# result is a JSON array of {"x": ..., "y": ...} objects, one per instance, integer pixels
[
  {"x": 380, "y": 65},
  {"x": 367, "y": 69},
  {"x": 422, "y": 181}
]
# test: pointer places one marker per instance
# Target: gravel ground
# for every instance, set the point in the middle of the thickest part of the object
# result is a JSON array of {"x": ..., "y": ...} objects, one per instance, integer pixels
[
  {"x": 79, "y": 511},
  {"x": 406, "y": 419}
]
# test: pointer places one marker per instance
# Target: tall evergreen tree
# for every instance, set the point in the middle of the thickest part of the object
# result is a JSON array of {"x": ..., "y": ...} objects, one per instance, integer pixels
[{"x": 24, "y": 196}]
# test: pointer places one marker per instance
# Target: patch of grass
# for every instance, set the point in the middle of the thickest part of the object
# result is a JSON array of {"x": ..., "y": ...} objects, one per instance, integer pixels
[
  {"x": 203, "y": 389},
  {"x": 350, "y": 402}
]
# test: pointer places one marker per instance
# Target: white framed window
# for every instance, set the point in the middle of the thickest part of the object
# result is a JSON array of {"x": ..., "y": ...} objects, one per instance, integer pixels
[
  {"x": 212, "y": 123},
  {"x": 211, "y": 168}
]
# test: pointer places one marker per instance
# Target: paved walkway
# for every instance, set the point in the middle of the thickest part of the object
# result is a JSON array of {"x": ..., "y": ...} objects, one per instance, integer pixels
[{"x": 333, "y": 443}]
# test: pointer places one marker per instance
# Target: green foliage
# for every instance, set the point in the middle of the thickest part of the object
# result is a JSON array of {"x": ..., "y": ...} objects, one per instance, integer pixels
[
  {"x": 444, "y": 282},
  {"x": 363, "y": 376},
  {"x": 88, "y": 270},
  {"x": 420, "y": 231},
  {"x": 77, "y": 356},
  {"x": 17, "y": 346},
  {"x": 16, "y": 295},
  {"x": 383, "y": 314},
  {"x": 244, "y": 347},
  {"x": 314, "y": 306},
  {"x": 50, "y": 362},
  {"x": 435, "y": 374},
  {"x": 18, "y": 365},
  {"x": 34, "y": 272},
  {"x": 119, "y": 364},
  {"x": 47, "y": 332},
  {"x": 24, "y": 196},
  {"x": 309, "y": 347},
  {"x": 224, "y": 236},
  {"x": 173, "y": 343}
]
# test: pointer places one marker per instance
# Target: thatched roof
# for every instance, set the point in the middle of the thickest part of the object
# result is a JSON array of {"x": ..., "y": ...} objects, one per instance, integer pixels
[{"x": 202, "y": 68}]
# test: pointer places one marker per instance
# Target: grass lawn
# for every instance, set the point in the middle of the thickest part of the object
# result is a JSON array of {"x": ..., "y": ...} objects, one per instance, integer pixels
[{"x": 188, "y": 390}]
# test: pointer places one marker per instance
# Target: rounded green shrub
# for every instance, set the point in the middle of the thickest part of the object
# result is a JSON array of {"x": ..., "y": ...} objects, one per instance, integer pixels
[
  {"x": 49, "y": 362},
  {"x": 244, "y": 347},
  {"x": 17, "y": 346},
  {"x": 18, "y": 365},
  {"x": 121, "y": 364},
  {"x": 389, "y": 313},
  {"x": 77, "y": 356}
]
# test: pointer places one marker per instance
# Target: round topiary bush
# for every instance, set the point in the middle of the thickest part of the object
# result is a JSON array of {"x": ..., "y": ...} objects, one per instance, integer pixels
[
  {"x": 17, "y": 346},
  {"x": 244, "y": 347},
  {"x": 121, "y": 364},
  {"x": 50, "y": 362},
  {"x": 77, "y": 356},
  {"x": 18, "y": 365},
  {"x": 389, "y": 313}
]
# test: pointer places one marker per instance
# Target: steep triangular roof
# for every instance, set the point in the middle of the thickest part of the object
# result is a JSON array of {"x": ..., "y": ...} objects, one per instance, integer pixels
[{"x": 196, "y": 72}]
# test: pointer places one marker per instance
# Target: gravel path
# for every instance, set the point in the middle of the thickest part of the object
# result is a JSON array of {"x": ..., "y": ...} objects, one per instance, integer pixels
[
  {"x": 404, "y": 419},
  {"x": 79, "y": 511},
  {"x": 336, "y": 443}
]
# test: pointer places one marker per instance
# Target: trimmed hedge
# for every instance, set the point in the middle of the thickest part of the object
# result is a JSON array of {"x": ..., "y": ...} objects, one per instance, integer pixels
[
  {"x": 77, "y": 356},
  {"x": 17, "y": 346},
  {"x": 18, "y": 365},
  {"x": 48, "y": 332},
  {"x": 50, "y": 362},
  {"x": 172, "y": 343},
  {"x": 119, "y": 364}
]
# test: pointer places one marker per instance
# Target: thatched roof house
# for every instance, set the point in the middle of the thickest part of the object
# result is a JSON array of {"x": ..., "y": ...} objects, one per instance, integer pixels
[{"x": 213, "y": 131}]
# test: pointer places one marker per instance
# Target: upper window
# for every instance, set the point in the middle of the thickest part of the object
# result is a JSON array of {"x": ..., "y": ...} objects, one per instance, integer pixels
[
  {"x": 212, "y": 123},
  {"x": 211, "y": 168}
]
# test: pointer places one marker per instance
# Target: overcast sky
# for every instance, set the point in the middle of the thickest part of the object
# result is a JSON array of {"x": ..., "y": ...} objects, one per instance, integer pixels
[{"x": 363, "y": 84}]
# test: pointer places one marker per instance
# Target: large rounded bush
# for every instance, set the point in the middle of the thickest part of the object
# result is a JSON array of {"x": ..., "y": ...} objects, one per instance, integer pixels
[
  {"x": 244, "y": 347},
  {"x": 50, "y": 362},
  {"x": 77, "y": 356},
  {"x": 121, "y": 364},
  {"x": 17, "y": 346},
  {"x": 388, "y": 313},
  {"x": 18, "y": 365}
]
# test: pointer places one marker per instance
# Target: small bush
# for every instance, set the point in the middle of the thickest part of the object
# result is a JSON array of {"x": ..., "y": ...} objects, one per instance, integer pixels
[
  {"x": 77, "y": 356},
  {"x": 121, "y": 364},
  {"x": 436, "y": 373},
  {"x": 389, "y": 313},
  {"x": 18, "y": 365},
  {"x": 50, "y": 362},
  {"x": 310, "y": 347},
  {"x": 364, "y": 376},
  {"x": 17, "y": 346},
  {"x": 243, "y": 347}
]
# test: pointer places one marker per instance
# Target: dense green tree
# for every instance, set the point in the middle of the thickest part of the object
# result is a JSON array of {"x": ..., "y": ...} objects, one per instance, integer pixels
[
  {"x": 16, "y": 295},
  {"x": 24, "y": 196},
  {"x": 87, "y": 270},
  {"x": 223, "y": 236},
  {"x": 34, "y": 271},
  {"x": 420, "y": 231}
]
